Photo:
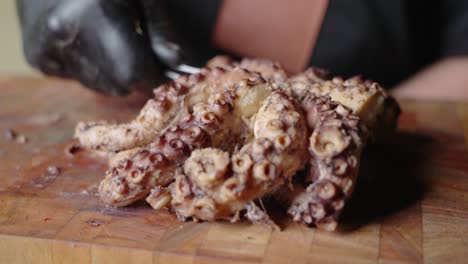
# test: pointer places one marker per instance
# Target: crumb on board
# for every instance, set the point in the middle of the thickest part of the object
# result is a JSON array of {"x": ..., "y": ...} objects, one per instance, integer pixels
[
  {"x": 10, "y": 134},
  {"x": 53, "y": 171},
  {"x": 95, "y": 222}
]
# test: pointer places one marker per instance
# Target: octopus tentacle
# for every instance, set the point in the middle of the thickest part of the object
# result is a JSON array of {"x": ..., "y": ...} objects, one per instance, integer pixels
[
  {"x": 333, "y": 179},
  {"x": 268, "y": 69},
  {"x": 212, "y": 123},
  {"x": 154, "y": 116},
  {"x": 361, "y": 109},
  {"x": 222, "y": 61},
  {"x": 159, "y": 197},
  {"x": 214, "y": 185},
  {"x": 368, "y": 100},
  {"x": 154, "y": 164},
  {"x": 335, "y": 147},
  {"x": 169, "y": 103}
]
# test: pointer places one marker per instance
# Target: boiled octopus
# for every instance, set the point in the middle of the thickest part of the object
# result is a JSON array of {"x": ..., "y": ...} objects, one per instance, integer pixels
[
  {"x": 342, "y": 115},
  {"x": 214, "y": 184},
  {"x": 211, "y": 145}
]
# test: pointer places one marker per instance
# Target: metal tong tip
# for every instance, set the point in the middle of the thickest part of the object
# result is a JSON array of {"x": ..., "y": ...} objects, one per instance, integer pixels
[{"x": 181, "y": 69}]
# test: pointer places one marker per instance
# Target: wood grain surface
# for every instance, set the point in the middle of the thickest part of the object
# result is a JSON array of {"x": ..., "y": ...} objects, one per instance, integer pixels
[{"x": 410, "y": 206}]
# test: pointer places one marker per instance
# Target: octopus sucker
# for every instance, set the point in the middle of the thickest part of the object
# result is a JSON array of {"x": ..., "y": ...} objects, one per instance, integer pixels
[
  {"x": 212, "y": 145},
  {"x": 215, "y": 184}
]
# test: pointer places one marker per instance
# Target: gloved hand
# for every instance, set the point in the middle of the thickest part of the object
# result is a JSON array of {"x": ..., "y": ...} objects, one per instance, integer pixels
[{"x": 102, "y": 43}]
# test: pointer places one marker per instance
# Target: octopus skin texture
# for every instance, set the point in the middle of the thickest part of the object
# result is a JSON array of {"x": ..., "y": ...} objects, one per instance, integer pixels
[
  {"x": 213, "y": 122},
  {"x": 154, "y": 117},
  {"x": 335, "y": 147},
  {"x": 367, "y": 99},
  {"x": 168, "y": 105},
  {"x": 216, "y": 184},
  {"x": 377, "y": 110},
  {"x": 342, "y": 116},
  {"x": 359, "y": 111},
  {"x": 211, "y": 145}
]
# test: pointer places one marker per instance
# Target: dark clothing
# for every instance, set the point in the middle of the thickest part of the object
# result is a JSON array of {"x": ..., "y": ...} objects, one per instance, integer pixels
[
  {"x": 114, "y": 46},
  {"x": 383, "y": 40}
]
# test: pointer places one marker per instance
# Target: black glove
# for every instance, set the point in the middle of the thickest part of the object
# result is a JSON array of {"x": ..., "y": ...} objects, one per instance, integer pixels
[{"x": 102, "y": 43}]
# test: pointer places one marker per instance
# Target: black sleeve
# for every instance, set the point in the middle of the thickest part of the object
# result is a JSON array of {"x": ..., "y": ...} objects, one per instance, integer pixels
[{"x": 454, "y": 35}]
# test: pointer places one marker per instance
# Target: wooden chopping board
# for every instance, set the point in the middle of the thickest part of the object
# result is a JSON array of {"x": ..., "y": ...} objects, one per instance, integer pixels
[{"x": 411, "y": 204}]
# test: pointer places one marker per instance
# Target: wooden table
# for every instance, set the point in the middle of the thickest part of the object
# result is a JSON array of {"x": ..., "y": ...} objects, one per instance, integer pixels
[{"x": 411, "y": 204}]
